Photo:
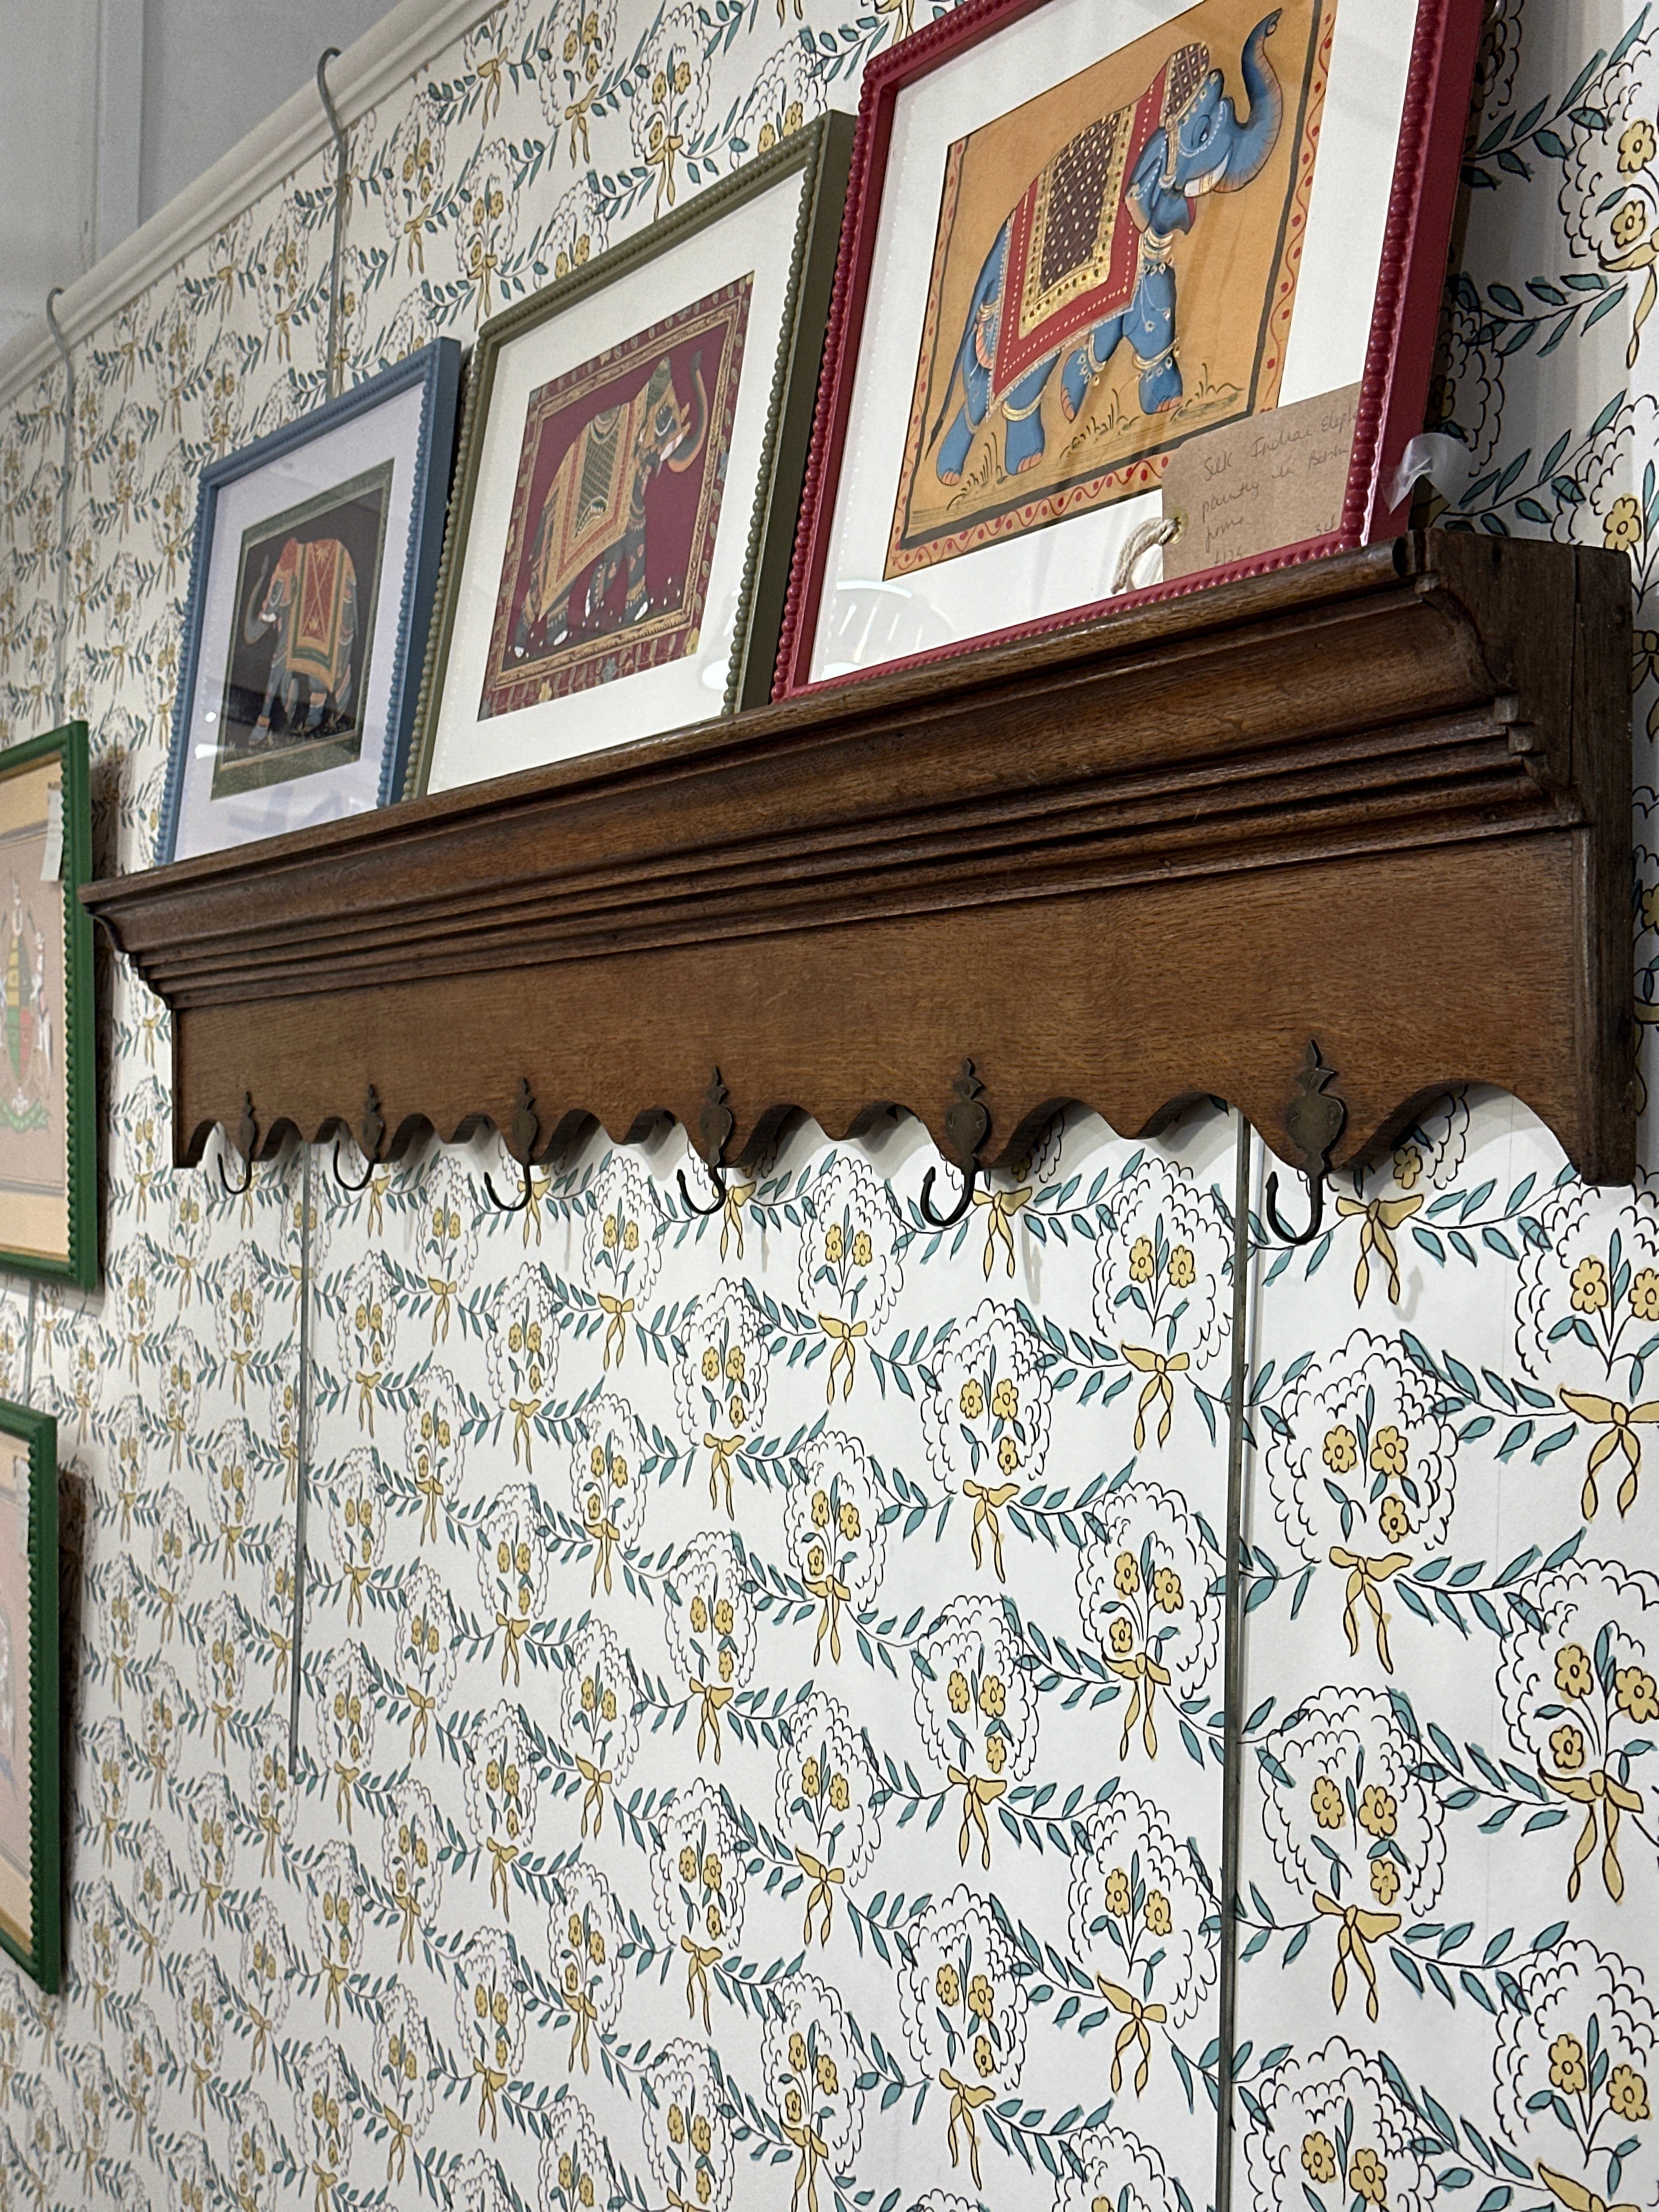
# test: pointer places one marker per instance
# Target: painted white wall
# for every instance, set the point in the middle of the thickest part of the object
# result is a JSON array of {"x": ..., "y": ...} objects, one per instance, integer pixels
[{"x": 113, "y": 107}]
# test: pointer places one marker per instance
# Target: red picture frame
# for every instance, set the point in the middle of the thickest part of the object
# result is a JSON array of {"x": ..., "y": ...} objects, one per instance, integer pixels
[{"x": 1399, "y": 356}]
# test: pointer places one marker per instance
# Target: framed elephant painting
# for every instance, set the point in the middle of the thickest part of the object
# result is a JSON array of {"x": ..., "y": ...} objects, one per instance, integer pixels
[
  {"x": 631, "y": 462},
  {"x": 31, "y": 1834},
  {"x": 1130, "y": 300},
  {"x": 316, "y": 561}
]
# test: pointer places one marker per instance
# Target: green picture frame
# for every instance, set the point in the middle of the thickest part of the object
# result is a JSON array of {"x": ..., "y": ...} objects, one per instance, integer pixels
[
  {"x": 498, "y": 491},
  {"x": 48, "y": 1035},
  {"x": 30, "y": 1819}
]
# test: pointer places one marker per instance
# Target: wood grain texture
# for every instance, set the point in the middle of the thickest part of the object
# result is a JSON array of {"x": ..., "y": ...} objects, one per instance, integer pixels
[{"x": 1381, "y": 800}]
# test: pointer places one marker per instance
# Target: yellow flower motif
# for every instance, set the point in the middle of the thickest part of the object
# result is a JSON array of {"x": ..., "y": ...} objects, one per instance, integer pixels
[
  {"x": 1628, "y": 225},
  {"x": 972, "y": 1400},
  {"x": 947, "y": 1986},
  {"x": 1378, "y": 1813},
  {"x": 812, "y": 1778},
  {"x": 631, "y": 1236},
  {"x": 1627, "y": 2093},
  {"x": 1005, "y": 1400},
  {"x": 702, "y": 2134},
  {"x": 1368, "y": 2176},
  {"x": 996, "y": 1752},
  {"x": 1166, "y": 1589},
  {"x": 1567, "y": 2069},
  {"x": 1327, "y": 1800},
  {"x": 828, "y": 2080},
  {"x": 713, "y": 1873},
  {"x": 863, "y": 1250},
  {"x": 1644, "y": 1296},
  {"x": 1183, "y": 1270},
  {"x": 711, "y": 1364},
  {"x": 1123, "y": 1637},
  {"x": 798, "y": 2052},
  {"x": 1567, "y": 1747},
  {"x": 1573, "y": 1677},
  {"x": 1341, "y": 1450},
  {"x": 957, "y": 1689},
  {"x": 1140, "y": 1260},
  {"x": 840, "y": 1795},
  {"x": 1008, "y": 1456},
  {"x": 848, "y": 1522},
  {"x": 1157, "y": 1912},
  {"x": 734, "y": 1364},
  {"x": 688, "y": 1864},
  {"x": 1127, "y": 1574},
  {"x": 723, "y": 1617},
  {"x": 1385, "y": 1880},
  {"x": 1637, "y": 1695},
  {"x": 984, "y": 2058},
  {"x": 1407, "y": 1166},
  {"x": 699, "y": 1615},
  {"x": 1389, "y": 1453},
  {"x": 1319, "y": 2157},
  {"x": 981, "y": 2000},
  {"x": 1589, "y": 1277},
  {"x": 1636, "y": 147},
  {"x": 1117, "y": 1893},
  {"x": 992, "y": 1697},
  {"x": 1393, "y": 1519},
  {"x": 834, "y": 1244}
]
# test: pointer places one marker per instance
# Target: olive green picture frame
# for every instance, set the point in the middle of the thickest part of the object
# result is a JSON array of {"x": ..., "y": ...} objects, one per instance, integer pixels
[
  {"x": 822, "y": 151},
  {"x": 79, "y": 1044},
  {"x": 41, "y": 1954}
]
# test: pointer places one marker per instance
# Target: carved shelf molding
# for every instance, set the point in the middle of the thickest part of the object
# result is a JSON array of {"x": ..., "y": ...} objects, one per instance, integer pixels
[{"x": 1381, "y": 801}]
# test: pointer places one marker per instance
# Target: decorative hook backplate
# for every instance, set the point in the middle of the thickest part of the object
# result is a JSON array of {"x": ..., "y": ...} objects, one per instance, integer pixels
[
  {"x": 246, "y": 1136},
  {"x": 715, "y": 1124},
  {"x": 967, "y": 1124},
  {"x": 522, "y": 1133},
  {"x": 1315, "y": 1120},
  {"x": 371, "y": 1135}
]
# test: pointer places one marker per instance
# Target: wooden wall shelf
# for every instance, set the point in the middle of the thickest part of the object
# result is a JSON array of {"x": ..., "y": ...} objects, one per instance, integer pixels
[{"x": 1381, "y": 800}]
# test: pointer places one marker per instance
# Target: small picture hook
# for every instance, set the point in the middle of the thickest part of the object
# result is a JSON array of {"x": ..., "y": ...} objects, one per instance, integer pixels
[
  {"x": 524, "y": 1134},
  {"x": 245, "y": 1138},
  {"x": 717, "y": 1178}
]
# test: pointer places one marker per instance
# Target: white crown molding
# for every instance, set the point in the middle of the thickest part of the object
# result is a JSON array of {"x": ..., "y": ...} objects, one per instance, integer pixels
[{"x": 409, "y": 36}]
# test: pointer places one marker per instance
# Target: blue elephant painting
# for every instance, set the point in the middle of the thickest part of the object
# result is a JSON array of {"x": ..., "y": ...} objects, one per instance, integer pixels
[{"x": 1088, "y": 264}]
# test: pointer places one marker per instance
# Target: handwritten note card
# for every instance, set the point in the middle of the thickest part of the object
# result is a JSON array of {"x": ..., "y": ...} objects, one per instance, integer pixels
[{"x": 1254, "y": 486}]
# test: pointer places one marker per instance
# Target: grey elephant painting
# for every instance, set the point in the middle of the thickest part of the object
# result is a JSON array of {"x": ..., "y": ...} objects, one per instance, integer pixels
[
  {"x": 308, "y": 582},
  {"x": 1114, "y": 270}
]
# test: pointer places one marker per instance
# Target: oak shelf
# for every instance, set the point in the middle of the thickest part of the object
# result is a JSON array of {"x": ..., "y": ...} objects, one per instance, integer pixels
[{"x": 1380, "y": 800}]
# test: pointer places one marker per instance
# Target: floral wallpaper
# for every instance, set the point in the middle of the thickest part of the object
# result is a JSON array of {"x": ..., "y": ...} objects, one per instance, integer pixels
[{"x": 762, "y": 1739}]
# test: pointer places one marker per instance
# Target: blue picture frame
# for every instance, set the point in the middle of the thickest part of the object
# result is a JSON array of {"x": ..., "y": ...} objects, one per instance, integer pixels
[{"x": 306, "y": 756}]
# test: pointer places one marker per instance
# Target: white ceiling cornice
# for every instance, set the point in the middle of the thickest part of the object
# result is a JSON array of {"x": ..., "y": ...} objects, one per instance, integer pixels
[{"x": 404, "y": 38}]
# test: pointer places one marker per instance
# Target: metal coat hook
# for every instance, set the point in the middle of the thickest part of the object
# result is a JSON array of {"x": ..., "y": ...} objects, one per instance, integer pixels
[
  {"x": 342, "y": 190},
  {"x": 714, "y": 1125},
  {"x": 247, "y": 1136},
  {"x": 370, "y": 1138},
  {"x": 967, "y": 1124},
  {"x": 1315, "y": 1119},
  {"x": 521, "y": 1143}
]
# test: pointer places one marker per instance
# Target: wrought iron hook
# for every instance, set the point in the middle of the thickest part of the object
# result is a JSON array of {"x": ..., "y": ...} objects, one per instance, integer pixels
[
  {"x": 247, "y": 1136},
  {"x": 1317, "y": 1201},
  {"x": 373, "y": 1129},
  {"x": 714, "y": 1125},
  {"x": 967, "y": 1124},
  {"x": 1315, "y": 1120},
  {"x": 969, "y": 1177},
  {"x": 521, "y": 1143}
]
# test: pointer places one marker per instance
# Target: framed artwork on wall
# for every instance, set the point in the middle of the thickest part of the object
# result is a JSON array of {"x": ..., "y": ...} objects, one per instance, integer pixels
[
  {"x": 631, "y": 468},
  {"x": 316, "y": 560},
  {"x": 1128, "y": 301},
  {"x": 31, "y": 1843},
  {"x": 48, "y": 1077}
]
